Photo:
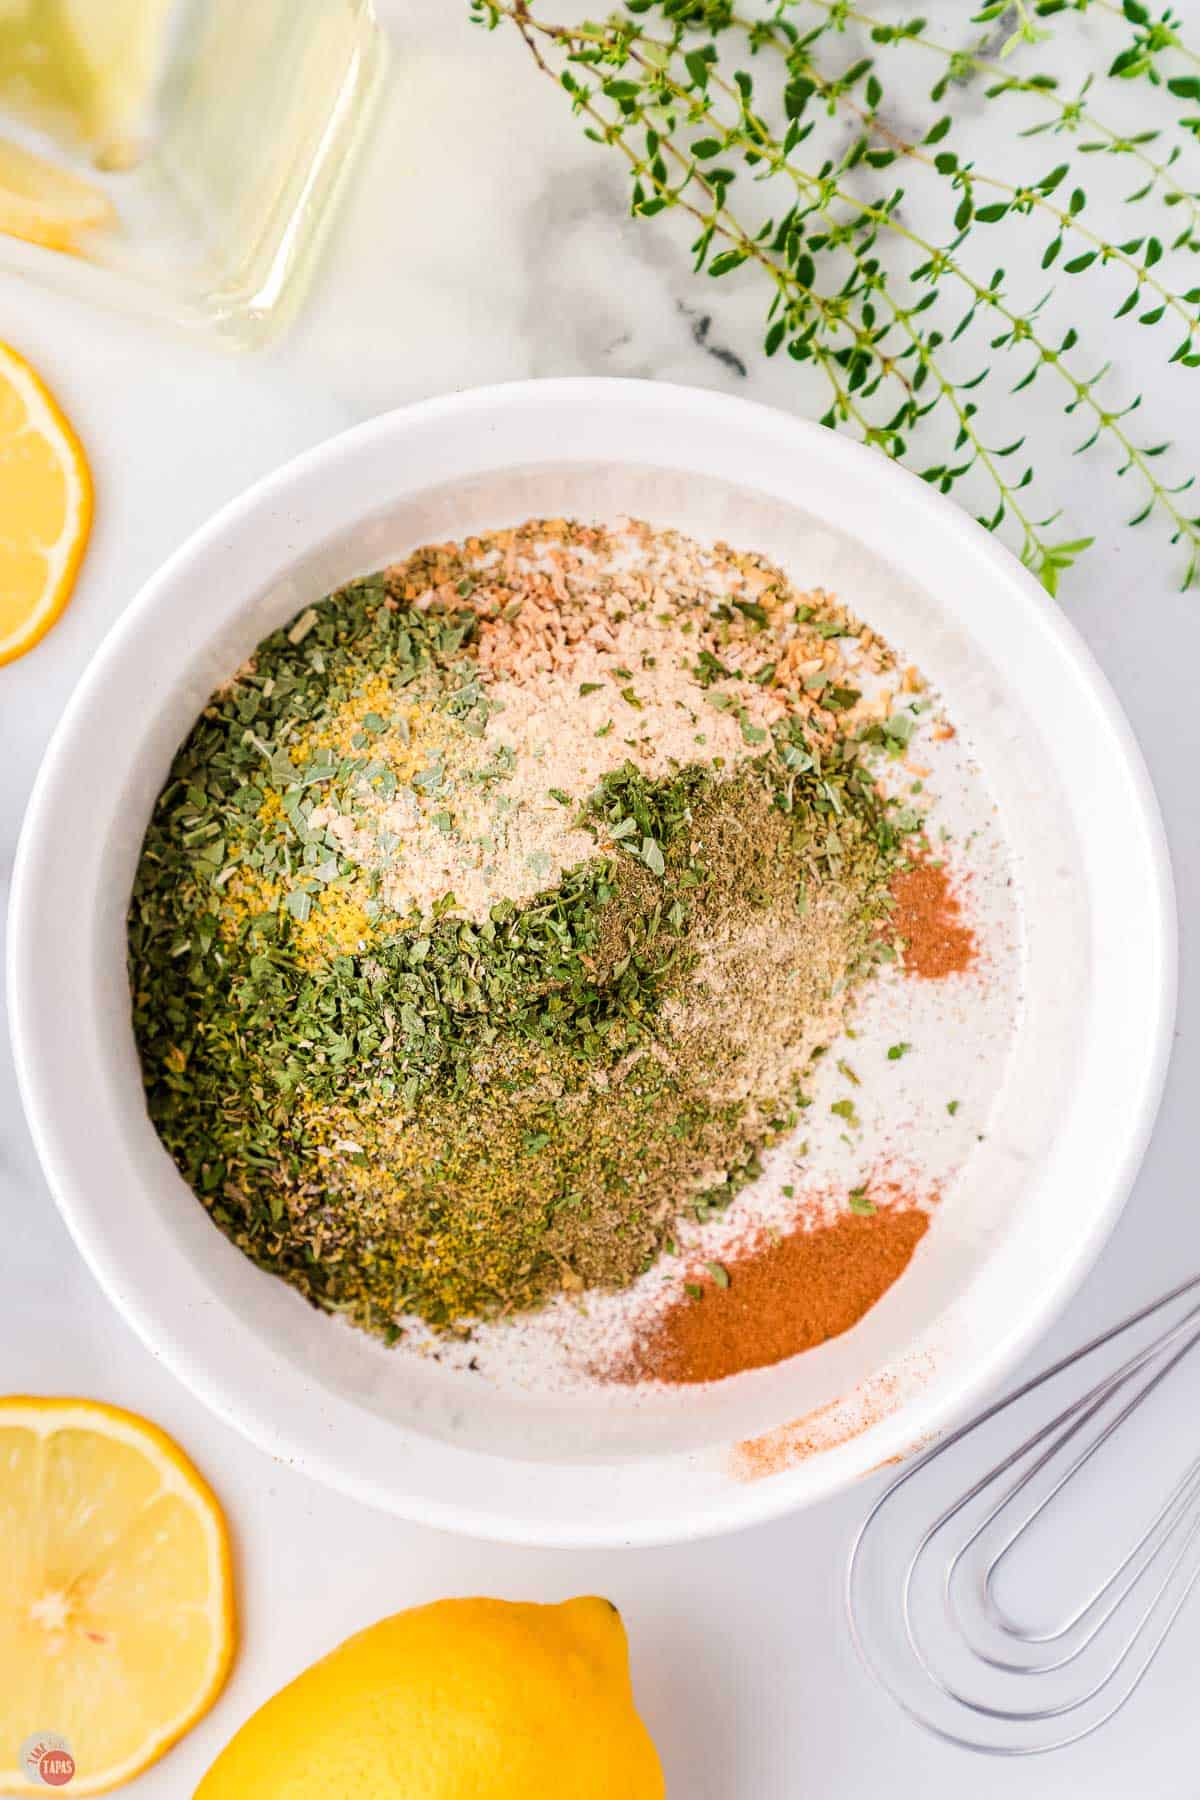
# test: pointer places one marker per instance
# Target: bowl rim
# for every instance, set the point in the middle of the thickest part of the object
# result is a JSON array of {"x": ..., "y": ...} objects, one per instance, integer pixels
[{"x": 747, "y": 1503}]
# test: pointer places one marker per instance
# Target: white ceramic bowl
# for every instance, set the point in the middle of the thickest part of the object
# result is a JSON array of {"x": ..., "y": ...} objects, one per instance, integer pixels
[{"x": 1068, "y": 1132}]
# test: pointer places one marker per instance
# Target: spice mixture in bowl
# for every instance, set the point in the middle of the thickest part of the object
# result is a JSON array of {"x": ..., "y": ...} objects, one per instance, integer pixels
[
  {"x": 491, "y": 926},
  {"x": 622, "y": 1013}
]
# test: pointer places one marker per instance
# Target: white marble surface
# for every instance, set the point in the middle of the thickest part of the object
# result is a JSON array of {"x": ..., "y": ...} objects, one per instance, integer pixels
[{"x": 487, "y": 241}]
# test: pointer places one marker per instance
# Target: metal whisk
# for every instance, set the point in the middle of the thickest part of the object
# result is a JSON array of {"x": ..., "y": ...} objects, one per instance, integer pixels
[{"x": 998, "y": 1650}]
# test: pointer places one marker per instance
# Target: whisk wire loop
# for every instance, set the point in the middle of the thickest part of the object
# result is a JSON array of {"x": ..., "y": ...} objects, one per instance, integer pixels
[{"x": 927, "y": 1610}]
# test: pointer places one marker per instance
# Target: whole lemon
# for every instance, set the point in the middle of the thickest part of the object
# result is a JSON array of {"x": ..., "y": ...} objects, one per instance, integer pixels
[{"x": 461, "y": 1700}]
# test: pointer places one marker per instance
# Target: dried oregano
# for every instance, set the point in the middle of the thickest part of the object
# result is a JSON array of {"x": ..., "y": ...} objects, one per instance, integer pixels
[{"x": 452, "y": 1116}]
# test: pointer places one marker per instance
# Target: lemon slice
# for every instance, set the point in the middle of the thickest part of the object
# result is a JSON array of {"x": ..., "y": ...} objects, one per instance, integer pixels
[
  {"x": 82, "y": 71},
  {"x": 116, "y": 1596},
  {"x": 45, "y": 507},
  {"x": 45, "y": 204}
]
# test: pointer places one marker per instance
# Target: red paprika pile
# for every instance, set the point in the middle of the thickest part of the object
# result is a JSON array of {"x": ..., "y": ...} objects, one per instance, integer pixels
[
  {"x": 779, "y": 1296},
  {"x": 928, "y": 917}
]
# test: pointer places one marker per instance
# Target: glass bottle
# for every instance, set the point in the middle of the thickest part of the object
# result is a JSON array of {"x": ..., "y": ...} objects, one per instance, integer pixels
[{"x": 180, "y": 157}]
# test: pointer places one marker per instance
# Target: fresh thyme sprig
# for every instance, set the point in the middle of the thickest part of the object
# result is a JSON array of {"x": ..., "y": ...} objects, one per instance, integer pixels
[{"x": 884, "y": 308}]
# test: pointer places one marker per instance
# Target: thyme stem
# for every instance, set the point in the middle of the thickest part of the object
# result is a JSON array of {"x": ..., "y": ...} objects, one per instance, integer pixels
[{"x": 833, "y": 302}]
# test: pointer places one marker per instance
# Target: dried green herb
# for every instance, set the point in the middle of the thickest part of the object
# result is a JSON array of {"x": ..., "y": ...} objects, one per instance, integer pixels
[
  {"x": 860, "y": 1203},
  {"x": 459, "y": 1117}
]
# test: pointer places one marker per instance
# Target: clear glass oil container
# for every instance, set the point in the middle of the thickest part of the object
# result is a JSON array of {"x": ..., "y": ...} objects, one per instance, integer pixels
[{"x": 180, "y": 157}]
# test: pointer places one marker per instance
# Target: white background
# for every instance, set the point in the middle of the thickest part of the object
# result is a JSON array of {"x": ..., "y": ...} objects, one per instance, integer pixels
[{"x": 485, "y": 241}]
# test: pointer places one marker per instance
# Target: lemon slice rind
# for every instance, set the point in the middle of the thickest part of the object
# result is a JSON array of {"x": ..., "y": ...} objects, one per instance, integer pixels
[
  {"x": 43, "y": 416},
  {"x": 178, "y": 1478},
  {"x": 46, "y": 205}
]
